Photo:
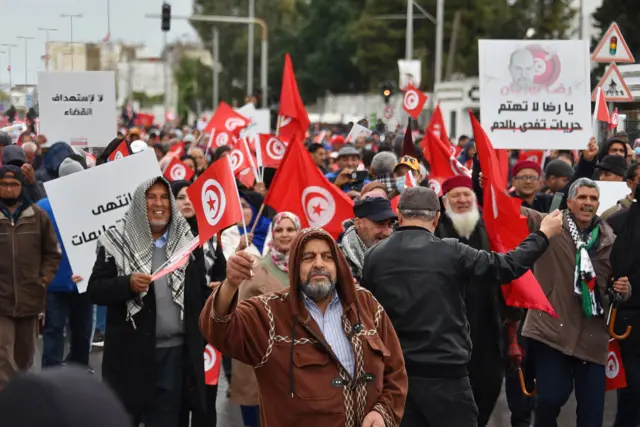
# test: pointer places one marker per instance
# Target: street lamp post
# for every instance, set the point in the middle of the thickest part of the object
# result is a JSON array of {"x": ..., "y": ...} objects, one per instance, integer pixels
[
  {"x": 252, "y": 13},
  {"x": 46, "y": 48},
  {"x": 26, "y": 57},
  {"x": 71, "y": 16},
  {"x": 9, "y": 47}
]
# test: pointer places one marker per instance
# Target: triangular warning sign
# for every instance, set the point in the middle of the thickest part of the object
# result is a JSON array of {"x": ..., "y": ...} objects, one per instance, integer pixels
[
  {"x": 612, "y": 47},
  {"x": 613, "y": 86}
]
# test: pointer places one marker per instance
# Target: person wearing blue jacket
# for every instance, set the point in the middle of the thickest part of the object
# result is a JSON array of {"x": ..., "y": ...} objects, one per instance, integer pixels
[{"x": 64, "y": 303}]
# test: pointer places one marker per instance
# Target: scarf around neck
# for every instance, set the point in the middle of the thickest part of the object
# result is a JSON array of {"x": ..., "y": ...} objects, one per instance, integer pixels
[
  {"x": 584, "y": 286},
  {"x": 130, "y": 245},
  {"x": 354, "y": 249},
  {"x": 279, "y": 258}
]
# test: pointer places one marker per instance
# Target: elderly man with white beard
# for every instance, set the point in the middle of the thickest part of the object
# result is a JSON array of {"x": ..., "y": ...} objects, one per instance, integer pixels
[{"x": 486, "y": 310}]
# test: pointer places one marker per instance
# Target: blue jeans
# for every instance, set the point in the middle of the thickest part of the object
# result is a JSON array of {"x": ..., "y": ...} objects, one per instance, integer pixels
[
  {"x": 557, "y": 374},
  {"x": 250, "y": 415},
  {"x": 629, "y": 398},
  {"x": 77, "y": 310},
  {"x": 101, "y": 318}
]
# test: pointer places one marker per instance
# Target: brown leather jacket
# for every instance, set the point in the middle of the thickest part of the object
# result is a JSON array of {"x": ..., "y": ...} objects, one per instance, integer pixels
[
  {"x": 300, "y": 379},
  {"x": 29, "y": 260}
]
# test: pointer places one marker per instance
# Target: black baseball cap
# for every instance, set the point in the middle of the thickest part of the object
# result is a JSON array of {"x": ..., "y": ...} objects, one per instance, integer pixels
[{"x": 375, "y": 209}]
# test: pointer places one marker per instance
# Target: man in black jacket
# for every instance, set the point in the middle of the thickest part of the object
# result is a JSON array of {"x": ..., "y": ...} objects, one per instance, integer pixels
[
  {"x": 420, "y": 281},
  {"x": 153, "y": 342}
]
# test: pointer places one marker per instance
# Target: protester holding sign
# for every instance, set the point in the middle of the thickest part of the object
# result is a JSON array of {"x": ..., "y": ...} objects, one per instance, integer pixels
[
  {"x": 30, "y": 258},
  {"x": 151, "y": 339}
]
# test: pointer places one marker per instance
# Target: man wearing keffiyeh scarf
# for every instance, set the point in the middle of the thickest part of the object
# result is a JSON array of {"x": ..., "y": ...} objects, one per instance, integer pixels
[
  {"x": 575, "y": 273},
  {"x": 150, "y": 324}
]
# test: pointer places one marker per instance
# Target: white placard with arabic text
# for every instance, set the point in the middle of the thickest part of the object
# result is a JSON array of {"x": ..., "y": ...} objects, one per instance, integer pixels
[
  {"x": 87, "y": 203},
  {"x": 535, "y": 94},
  {"x": 610, "y": 193},
  {"x": 78, "y": 108}
]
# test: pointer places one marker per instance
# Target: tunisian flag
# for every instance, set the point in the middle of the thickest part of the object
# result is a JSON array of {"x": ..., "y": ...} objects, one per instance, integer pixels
[
  {"x": 616, "y": 377},
  {"x": 212, "y": 361},
  {"x": 120, "y": 152},
  {"x": 436, "y": 125},
  {"x": 225, "y": 126},
  {"x": 601, "y": 112},
  {"x": 271, "y": 151},
  {"x": 177, "y": 260},
  {"x": 414, "y": 101},
  {"x": 299, "y": 187},
  {"x": 506, "y": 228},
  {"x": 292, "y": 116},
  {"x": 176, "y": 171},
  {"x": 215, "y": 199}
]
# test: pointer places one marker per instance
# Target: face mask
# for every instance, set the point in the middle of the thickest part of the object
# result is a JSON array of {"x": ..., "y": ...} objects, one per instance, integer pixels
[
  {"x": 368, "y": 146},
  {"x": 400, "y": 184}
]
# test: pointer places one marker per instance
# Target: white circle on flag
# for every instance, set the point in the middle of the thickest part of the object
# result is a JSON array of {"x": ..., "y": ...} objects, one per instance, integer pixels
[
  {"x": 222, "y": 139},
  {"x": 275, "y": 149},
  {"x": 411, "y": 100},
  {"x": 319, "y": 206},
  {"x": 434, "y": 184},
  {"x": 614, "y": 118},
  {"x": 232, "y": 123},
  {"x": 118, "y": 155},
  {"x": 177, "y": 172},
  {"x": 456, "y": 167},
  {"x": 209, "y": 358},
  {"x": 613, "y": 365},
  {"x": 237, "y": 159},
  {"x": 213, "y": 201},
  {"x": 284, "y": 120}
]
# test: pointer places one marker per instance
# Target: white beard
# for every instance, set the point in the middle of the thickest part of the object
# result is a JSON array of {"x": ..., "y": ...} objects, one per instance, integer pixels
[{"x": 463, "y": 223}]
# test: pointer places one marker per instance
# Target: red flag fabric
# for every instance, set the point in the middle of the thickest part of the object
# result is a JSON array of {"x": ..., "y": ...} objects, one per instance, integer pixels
[
  {"x": 532, "y": 155},
  {"x": 616, "y": 376},
  {"x": 271, "y": 150},
  {"x": 409, "y": 180},
  {"x": 243, "y": 163},
  {"x": 215, "y": 199},
  {"x": 613, "y": 123},
  {"x": 225, "y": 119},
  {"x": 506, "y": 228},
  {"x": 176, "y": 171},
  {"x": 300, "y": 187},
  {"x": 292, "y": 116},
  {"x": 436, "y": 125},
  {"x": 443, "y": 161},
  {"x": 414, "y": 100},
  {"x": 212, "y": 363},
  {"x": 602, "y": 113},
  {"x": 120, "y": 152},
  {"x": 177, "y": 149},
  {"x": 177, "y": 260}
]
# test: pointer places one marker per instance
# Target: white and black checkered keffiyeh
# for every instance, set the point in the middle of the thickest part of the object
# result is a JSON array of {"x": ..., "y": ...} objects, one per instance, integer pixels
[{"x": 130, "y": 244}]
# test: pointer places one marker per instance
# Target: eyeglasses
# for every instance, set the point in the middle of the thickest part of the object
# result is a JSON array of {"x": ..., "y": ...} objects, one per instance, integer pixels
[
  {"x": 12, "y": 185},
  {"x": 526, "y": 178}
]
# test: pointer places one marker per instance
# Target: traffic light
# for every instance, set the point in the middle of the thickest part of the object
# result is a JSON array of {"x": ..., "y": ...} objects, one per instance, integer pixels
[
  {"x": 613, "y": 45},
  {"x": 166, "y": 17},
  {"x": 387, "y": 91}
]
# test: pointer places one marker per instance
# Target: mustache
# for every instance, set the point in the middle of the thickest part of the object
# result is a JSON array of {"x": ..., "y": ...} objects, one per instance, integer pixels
[
  {"x": 589, "y": 209},
  {"x": 319, "y": 272}
]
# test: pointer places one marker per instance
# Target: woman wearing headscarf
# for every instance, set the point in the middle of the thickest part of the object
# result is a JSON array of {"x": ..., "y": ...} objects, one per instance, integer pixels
[
  {"x": 466, "y": 156},
  {"x": 233, "y": 237},
  {"x": 270, "y": 275},
  {"x": 213, "y": 267}
]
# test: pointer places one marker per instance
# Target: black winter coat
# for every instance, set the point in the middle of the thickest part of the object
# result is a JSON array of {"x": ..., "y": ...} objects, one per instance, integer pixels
[{"x": 128, "y": 363}]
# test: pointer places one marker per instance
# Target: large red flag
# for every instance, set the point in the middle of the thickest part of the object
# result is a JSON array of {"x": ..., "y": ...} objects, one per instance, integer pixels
[
  {"x": 215, "y": 199},
  {"x": 292, "y": 116},
  {"x": 176, "y": 171},
  {"x": 299, "y": 187},
  {"x": 506, "y": 228},
  {"x": 227, "y": 120},
  {"x": 616, "y": 376},
  {"x": 436, "y": 125}
]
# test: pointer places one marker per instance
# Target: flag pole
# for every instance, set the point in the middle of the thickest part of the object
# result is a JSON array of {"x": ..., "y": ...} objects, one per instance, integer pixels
[
  {"x": 244, "y": 224},
  {"x": 253, "y": 166},
  {"x": 255, "y": 223},
  {"x": 594, "y": 123}
]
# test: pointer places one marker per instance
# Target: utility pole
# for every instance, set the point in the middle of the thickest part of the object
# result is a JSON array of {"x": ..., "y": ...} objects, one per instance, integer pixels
[
  {"x": 581, "y": 25},
  {"x": 439, "y": 41},
  {"x": 1, "y": 52},
  {"x": 9, "y": 46},
  {"x": 408, "y": 48},
  {"x": 71, "y": 16},
  {"x": 26, "y": 57},
  {"x": 216, "y": 68},
  {"x": 46, "y": 46},
  {"x": 250, "y": 48}
]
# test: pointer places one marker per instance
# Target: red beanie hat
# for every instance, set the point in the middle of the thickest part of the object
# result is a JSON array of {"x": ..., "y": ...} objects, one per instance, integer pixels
[
  {"x": 526, "y": 164},
  {"x": 456, "y": 182}
]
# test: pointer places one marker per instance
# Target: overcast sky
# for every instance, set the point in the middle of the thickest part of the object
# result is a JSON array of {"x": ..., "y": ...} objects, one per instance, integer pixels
[{"x": 24, "y": 17}]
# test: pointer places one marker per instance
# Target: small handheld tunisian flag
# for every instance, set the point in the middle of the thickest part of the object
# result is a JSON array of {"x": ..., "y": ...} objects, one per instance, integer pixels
[
  {"x": 410, "y": 180},
  {"x": 614, "y": 120},
  {"x": 414, "y": 101},
  {"x": 178, "y": 149},
  {"x": 177, "y": 260},
  {"x": 215, "y": 199},
  {"x": 616, "y": 377},
  {"x": 225, "y": 126},
  {"x": 601, "y": 112},
  {"x": 271, "y": 151},
  {"x": 212, "y": 360},
  {"x": 299, "y": 187},
  {"x": 243, "y": 163},
  {"x": 292, "y": 116},
  {"x": 506, "y": 228},
  {"x": 176, "y": 171},
  {"x": 120, "y": 152}
]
